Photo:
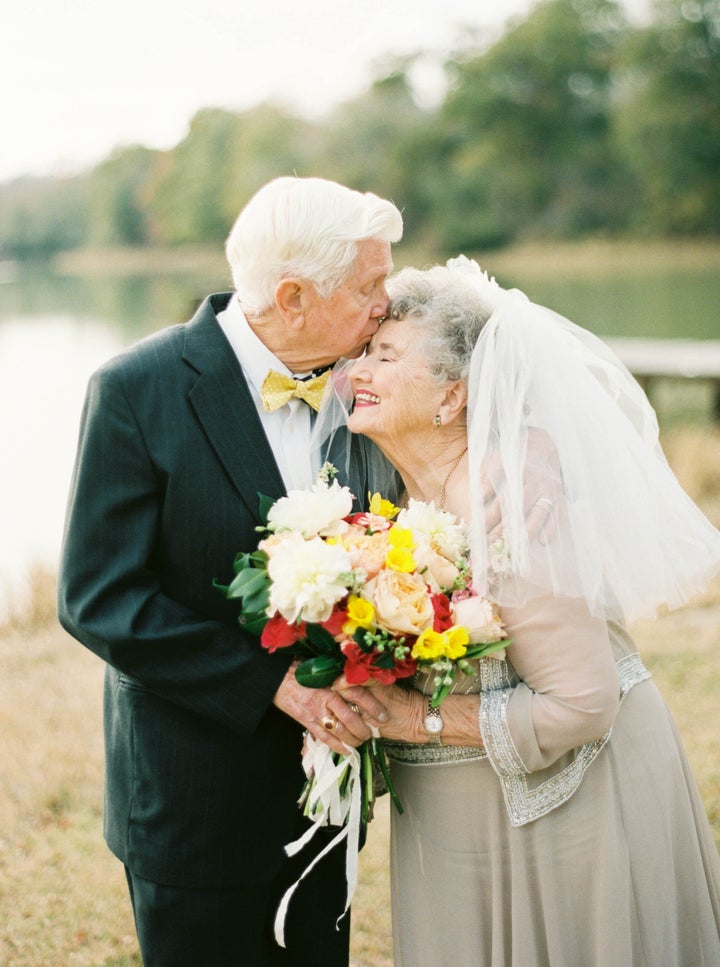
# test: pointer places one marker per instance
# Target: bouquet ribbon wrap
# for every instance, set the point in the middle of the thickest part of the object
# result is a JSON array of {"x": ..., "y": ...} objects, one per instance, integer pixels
[{"x": 328, "y": 806}]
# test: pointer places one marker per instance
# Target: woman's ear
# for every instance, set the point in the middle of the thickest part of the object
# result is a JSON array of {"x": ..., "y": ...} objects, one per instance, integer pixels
[
  {"x": 289, "y": 302},
  {"x": 454, "y": 401}
]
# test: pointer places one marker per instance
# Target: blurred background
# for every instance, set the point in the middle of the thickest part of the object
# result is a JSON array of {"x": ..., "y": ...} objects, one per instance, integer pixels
[{"x": 572, "y": 146}]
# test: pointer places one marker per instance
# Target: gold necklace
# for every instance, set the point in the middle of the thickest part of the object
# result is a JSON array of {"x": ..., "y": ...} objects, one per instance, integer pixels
[{"x": 453, "y": 467}]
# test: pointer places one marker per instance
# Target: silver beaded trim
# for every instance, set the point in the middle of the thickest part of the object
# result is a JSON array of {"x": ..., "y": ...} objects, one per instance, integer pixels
[
  {"x": 525, "y": 804},
  {"x": 415, "y": 754}
]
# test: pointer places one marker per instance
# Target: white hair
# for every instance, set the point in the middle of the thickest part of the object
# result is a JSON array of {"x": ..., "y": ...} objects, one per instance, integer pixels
[{"x": 304, "y": 227}]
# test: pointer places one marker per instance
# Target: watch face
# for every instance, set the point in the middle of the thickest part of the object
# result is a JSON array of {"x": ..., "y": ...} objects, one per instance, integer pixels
[{"x": 433, "y": 724}]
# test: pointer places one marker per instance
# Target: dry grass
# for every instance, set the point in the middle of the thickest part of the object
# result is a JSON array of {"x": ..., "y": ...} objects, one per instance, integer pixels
[{"x": 63, "y": 901}]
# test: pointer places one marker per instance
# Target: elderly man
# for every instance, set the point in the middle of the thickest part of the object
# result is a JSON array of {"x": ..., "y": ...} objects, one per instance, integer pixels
[{"x": 203, "y": 728}]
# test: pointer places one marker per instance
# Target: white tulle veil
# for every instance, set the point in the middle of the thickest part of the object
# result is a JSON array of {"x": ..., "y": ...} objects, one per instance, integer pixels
[
  {"x": 555, "y": 417},
  {"x": 557, "y": 423}
]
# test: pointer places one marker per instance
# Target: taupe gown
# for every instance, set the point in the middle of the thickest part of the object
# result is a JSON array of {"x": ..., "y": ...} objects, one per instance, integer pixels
[{"x": 545, "y": 847}]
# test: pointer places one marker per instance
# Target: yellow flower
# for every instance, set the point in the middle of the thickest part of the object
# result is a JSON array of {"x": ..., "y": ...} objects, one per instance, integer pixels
[
  {"x": 456, "y": 641},
  {"x": 361, "y": 614},
  {"x": 398, "y": 559},
  {"x": 401, "y": 537},
  {"x": 429, "y": 645},
  {"x": 382, "y": 507},
  {"x": 400, "y": 556}
]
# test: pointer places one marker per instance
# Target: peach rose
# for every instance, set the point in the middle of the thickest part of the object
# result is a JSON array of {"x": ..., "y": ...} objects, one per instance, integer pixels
[
  {"x": 438, "y": 572},
  {"x": 402, "y": 603},
  {"x": 366, "y": 551},
  {"x": 271, "y": 543}
]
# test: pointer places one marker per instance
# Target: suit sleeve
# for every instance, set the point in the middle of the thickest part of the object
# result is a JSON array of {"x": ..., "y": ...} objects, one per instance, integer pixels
[{"x": 110, "y": 596}]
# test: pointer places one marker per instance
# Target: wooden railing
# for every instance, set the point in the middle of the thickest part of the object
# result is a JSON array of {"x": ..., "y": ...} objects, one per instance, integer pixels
[{"x": 653, "y": 360}]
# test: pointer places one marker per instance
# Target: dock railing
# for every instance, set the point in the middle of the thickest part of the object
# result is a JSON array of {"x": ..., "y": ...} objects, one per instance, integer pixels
[{"x": 654, "y": 360}]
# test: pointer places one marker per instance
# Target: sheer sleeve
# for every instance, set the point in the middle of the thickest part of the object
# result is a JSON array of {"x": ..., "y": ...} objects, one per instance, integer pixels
[
  {"x": 547, "y": 712},
  {"x": 568, "y": 694}
]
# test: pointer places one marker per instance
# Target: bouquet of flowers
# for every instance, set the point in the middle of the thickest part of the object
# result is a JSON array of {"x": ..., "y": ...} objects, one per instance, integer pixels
[{"x": 371, "y": 596}]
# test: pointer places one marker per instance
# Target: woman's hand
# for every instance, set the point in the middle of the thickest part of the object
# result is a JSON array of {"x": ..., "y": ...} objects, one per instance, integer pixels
[
  {"x": 406, "y": 710},
  {"x": 403, "y": 708}
]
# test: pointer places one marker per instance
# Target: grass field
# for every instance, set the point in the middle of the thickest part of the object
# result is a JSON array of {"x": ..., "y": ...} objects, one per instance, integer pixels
[{"x": 63, "y": 901}]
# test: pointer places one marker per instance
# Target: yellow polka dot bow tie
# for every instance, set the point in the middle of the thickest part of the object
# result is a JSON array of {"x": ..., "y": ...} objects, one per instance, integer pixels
[{"x": 278, "y": 389}]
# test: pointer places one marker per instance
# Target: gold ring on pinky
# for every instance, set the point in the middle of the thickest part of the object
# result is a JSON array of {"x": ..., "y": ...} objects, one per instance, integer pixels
[
  {"x": 354, "y": 707},
  {"x": 329, "y": 722}
]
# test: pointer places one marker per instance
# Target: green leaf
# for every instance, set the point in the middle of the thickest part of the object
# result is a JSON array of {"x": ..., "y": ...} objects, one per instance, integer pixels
[
  {"x": 361, "y": 640},
  {"x": 265, "y": 503},
  {"x": 259, "y": 600},
  {"x": 241, "y": 561},
  {"x": 248, "y": 582},
  {"x": 484, "y": 649},
  {"x": 320, "y": 671},
  {"x": 254, "y": 623},
  {"x": 321, "y": 640}
]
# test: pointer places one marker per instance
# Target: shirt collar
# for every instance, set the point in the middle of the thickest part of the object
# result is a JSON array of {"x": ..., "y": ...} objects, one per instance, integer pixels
[{"x": 252, "y": 353}]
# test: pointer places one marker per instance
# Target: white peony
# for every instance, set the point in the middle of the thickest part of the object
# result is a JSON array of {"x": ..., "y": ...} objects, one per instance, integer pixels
[
  {"x": 436, "y": 529},
  {"x": 319, "y": 510},
  {"x": 308, "y": 578}
]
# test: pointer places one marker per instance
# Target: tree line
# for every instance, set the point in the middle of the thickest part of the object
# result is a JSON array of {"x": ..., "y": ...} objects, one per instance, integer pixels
[{"x": 574, "y": 122}]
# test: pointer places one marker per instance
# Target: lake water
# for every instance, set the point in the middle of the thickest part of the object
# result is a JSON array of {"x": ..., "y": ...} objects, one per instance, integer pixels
[{"x": 55, "y": 330}]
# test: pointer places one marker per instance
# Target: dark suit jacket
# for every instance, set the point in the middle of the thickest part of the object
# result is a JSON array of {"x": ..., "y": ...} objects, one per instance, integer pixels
[{"x": 203, "y": 772}]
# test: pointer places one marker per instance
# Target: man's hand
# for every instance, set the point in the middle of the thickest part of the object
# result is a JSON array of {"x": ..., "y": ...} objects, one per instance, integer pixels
[{"x": 351, "y": 712}]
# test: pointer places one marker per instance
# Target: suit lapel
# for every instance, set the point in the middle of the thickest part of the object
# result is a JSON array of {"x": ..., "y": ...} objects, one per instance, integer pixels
[{"x": 226, "y": 410}]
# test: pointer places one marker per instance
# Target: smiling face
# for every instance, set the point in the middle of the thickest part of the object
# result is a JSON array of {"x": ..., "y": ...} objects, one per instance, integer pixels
[
  {"x": 342, "y": 324},
  {"x": 396, "y": 398}
]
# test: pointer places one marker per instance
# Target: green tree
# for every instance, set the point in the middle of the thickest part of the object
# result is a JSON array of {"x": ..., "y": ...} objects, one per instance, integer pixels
[
  {"x": 667, "y": 117},
  {"x": 117, "y": 197},
  {"x": 40, "y": 217},
  {"x": 201, "y": 185},
  {"x": 526, "y": 146},
  {"x": 375, "y": 143}
]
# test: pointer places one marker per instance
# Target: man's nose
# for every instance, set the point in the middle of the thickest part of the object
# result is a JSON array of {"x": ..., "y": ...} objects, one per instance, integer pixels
[{"x": 381, "y": 307}]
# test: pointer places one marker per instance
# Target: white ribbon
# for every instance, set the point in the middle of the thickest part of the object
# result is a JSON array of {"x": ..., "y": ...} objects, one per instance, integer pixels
[{"x": 326, "y": 806}]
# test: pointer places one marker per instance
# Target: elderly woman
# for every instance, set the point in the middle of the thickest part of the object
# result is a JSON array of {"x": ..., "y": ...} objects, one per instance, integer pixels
[{"x": 550, "y": 814}]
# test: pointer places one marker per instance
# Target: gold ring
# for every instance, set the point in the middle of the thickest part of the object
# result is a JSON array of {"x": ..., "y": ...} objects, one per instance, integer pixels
[
  {"x": 354, "y": 707},
  {"x": 329, "y": 722}
]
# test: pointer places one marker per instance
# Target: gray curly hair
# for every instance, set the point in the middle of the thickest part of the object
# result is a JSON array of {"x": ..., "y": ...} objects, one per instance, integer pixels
[{"x": 447, "y": 310}]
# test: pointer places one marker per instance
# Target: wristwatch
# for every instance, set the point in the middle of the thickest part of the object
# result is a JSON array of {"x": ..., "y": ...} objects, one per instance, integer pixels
[{"x": 433, "y": 725}]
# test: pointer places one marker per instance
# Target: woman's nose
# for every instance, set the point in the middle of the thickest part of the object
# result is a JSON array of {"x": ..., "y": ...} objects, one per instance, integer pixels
[{"x": 359, "y": 370}]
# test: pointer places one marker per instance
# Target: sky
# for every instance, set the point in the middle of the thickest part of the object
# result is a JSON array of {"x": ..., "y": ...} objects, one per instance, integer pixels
[{"x": 81, "y": 77}]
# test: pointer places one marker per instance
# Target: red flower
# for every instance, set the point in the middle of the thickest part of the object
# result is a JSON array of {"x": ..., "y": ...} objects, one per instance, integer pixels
[
  {"x": 278, "y": 633},
  {"x": 360, "y": 667},
  {"x": 385, "y": 676},
  {"x": 334, "y": 623},
  {"x": 443, "y": 617},
  {"x": 357, "y": 663},
  {"x": 406, "y": 668}
]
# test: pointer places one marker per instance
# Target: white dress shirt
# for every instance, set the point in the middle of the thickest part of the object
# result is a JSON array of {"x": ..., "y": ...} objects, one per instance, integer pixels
[{"x": 288, "y": 428}]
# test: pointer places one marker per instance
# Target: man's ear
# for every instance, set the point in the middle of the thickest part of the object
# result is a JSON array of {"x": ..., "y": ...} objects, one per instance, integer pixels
[
  {"x": 454, "y": 401},
  {"x": 289, "y": 302}
]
